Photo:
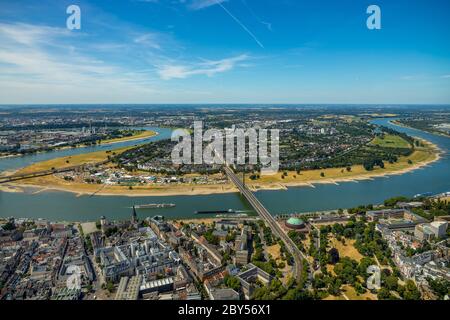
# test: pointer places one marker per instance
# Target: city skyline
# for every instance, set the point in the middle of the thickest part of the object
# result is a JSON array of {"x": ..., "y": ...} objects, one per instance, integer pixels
[{"x": 232, "y": 51}]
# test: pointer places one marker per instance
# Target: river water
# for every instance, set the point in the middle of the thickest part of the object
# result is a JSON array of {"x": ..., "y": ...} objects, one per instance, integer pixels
[{"x": 66, "y": 206}]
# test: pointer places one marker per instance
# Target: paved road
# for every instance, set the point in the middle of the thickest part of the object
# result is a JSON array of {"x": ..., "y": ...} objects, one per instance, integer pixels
[{"x": 270, "y": 220}]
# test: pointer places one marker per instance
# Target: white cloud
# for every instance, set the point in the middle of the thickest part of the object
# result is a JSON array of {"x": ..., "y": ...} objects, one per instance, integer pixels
[
  {"x": 191, "y": 4},
  {"x": 38, "y": 63},
  {"x": 202, "y": 4},
  {"x": 27, "y": 34},
  {"x": 41, "y": 64},
  {"x": 148, "y": 39},
  {"x": 208, "y": 68}
]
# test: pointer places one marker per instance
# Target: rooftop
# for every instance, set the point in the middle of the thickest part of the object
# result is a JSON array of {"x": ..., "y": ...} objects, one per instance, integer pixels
[{"x": 295, "y": 221}]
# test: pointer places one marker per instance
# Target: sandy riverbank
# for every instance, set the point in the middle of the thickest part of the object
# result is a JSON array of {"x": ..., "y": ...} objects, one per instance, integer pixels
[
  {"x": 137, "y": 191},
  {"x": 142, "y": 136}
]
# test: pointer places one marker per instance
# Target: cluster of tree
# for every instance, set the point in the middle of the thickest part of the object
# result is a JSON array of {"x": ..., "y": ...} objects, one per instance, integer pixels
[
  {"x": 231, "y": 236},
  {"x": 369, "y": 154},
  {"x": 92, "y": 180},
  {"x": 117, "y": 133},
  {"x": 232, "y": 282},
  {"x": 226, "y": 257},
  {"x": 258, "y": 255},
  {"x": 424, "y": 247},
  {"x": 270, "y": 267},
  {"x": 407, "y": 292},
  {"x": 369, "y": 242},
  {"x": 88, "y": 243},
  {"x": 273, "y": 291},
  {"x": 320, "y": 254},
  {"x": 110, "y": 231},
  {"x": 268, "y": 236},
  {"x": 108, "y": 286},
  {"x": 370, "y": 164},
  {"x": 360, "y": 209},
  {"x": 433, "y": 208},
  {"x": 391, "y": 202},
  {"x": 347, "y": 271},
  {"x": 297, "y": 237},
  {"x": 276, "y": 291},
  {"x": 211, "y": 238},
  {"x": 441, "y": 287},
  {"x": 259, "y": 259},
  {"x": 285, "y": 254}
]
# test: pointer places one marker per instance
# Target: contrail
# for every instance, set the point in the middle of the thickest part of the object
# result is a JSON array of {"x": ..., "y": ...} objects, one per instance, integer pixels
[
  {"x": 267, "y": 24},
  {"x": 240, "y": 23}
]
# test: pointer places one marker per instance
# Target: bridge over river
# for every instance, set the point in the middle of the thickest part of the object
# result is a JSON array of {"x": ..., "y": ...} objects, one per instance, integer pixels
[{"x": 270, "y": 220}]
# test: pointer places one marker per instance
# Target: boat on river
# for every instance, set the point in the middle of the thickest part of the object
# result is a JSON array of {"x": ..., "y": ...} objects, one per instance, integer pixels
[{"x": 155, "y": 206}]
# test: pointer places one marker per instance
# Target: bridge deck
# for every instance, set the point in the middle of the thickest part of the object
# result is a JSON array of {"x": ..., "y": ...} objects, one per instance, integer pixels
[{"x": 269, "y": 219}]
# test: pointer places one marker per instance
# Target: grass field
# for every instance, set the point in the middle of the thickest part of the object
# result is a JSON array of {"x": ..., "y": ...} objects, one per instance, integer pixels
[
  {"x": 275, "y": 252},
  {"x": 390, "y": 141},
  {"x": 350, "y": 292},
  {"x": 63, "y": 162},
  {"x": 330, "y": 297},
  {"x": 346, "y": 250},
  {"x": 86, "y": 158},
  {"x": 420, "y": 155}
]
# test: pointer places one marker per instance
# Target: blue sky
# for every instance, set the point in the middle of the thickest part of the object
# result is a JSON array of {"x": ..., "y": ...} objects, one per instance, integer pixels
[{"x": 216, "y": 51}]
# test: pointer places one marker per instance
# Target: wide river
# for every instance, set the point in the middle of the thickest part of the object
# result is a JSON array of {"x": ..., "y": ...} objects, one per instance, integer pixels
[{"x": 66, "y": 206}]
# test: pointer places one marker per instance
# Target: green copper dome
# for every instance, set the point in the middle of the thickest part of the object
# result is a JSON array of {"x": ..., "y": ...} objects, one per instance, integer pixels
[{"x": 295, "y": 222}]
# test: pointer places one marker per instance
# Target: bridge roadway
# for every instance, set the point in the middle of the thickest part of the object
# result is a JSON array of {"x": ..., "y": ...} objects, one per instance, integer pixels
[
  {"x": 270, "y": 220},
  {"x": 15, "y": 177}
]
